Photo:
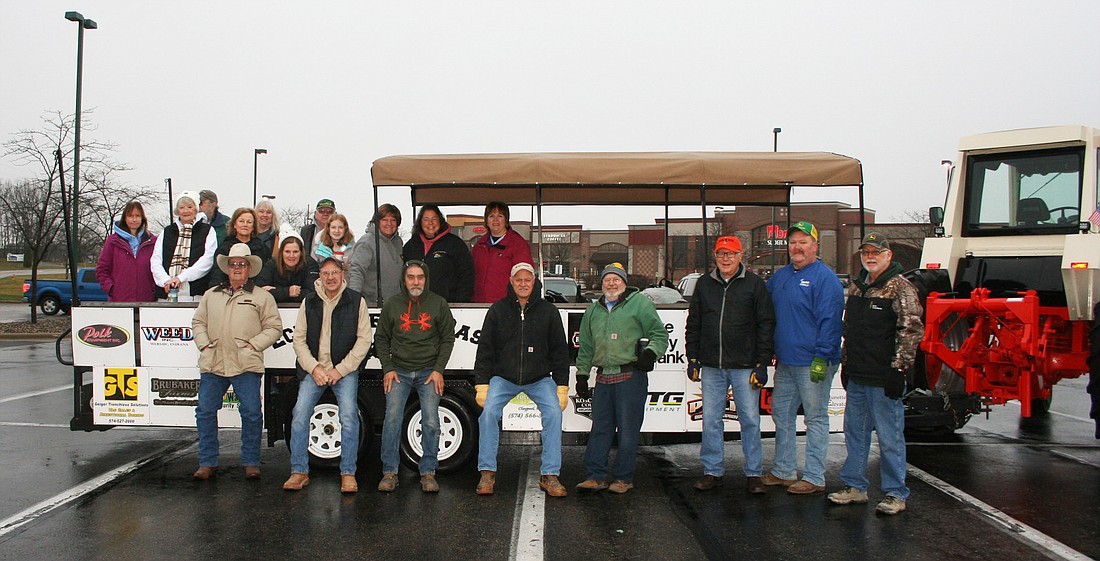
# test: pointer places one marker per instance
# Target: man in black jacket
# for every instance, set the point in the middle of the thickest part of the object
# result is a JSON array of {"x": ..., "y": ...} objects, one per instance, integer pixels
[
  {"x": 730, "y": 327},
  {"x": 522, "y": 349}
]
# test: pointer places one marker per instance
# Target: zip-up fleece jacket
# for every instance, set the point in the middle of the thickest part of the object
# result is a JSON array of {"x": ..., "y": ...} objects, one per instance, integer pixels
[
  {"x": 809, "y": 314},
  {"x": 731, "y": 324},
  {"x": 449, "y": 258},
  {"x": 415, "y": 333},
  {"x": 522, "y": 344},
  {"x": 223, "y": 324},
  {"x": 363, "y": 266},
  {"x": 882, "y": 327},
  {"x": 493, "y": 265},
  {"x": 608, "y": 337}
]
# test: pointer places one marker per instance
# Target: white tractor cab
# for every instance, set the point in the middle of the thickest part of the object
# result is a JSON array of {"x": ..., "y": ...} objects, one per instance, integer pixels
[
  {"x": 144, "y": 372},
  {"x": 1011, "y": 274}
]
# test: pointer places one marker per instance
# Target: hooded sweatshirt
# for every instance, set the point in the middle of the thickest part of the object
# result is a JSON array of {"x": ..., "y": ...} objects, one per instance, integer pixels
[
  {"x": 363, "y": 266},
  {"x": 415, "y": 333}
]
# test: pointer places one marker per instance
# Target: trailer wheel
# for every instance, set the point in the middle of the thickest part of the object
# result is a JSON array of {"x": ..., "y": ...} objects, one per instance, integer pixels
[
  {"x": 50, "y": 305},
  {"x": 457, "y": 434},
  {"x": 325, "y": 440},
  {"x": 1040, "y": 405}
]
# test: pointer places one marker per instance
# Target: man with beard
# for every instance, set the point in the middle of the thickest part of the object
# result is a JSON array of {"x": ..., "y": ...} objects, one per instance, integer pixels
[
  {"x": 609, "y": 340},
  {"x": 415, "y": 337},
  {"x": 809, "y": 307},
  {"x": 882, "y": 328}
]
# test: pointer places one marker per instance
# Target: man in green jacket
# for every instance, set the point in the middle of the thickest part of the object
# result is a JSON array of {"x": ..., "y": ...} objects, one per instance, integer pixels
[
  {"x": 610, "y": 332},
  {"x": 414, "y": 340}
]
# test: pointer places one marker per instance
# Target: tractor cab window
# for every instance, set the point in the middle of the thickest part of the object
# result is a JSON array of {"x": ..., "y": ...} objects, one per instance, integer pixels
[{"x": 1034, "y": 192}]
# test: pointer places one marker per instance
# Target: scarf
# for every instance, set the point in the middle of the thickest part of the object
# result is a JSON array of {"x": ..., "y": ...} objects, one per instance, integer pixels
[{"x": 183, "y": 251}]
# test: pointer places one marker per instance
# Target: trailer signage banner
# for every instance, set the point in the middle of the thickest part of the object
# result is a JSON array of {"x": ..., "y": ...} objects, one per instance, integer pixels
[{"x": 103, "y": 336}]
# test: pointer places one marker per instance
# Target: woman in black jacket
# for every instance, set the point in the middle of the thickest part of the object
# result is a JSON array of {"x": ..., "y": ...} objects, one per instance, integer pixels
[
  {"x": 447, "y": 256},
  {"x": 289, "y": 276}
]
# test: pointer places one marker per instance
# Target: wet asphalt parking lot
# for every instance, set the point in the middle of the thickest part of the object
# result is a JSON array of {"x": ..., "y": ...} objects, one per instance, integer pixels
[{"x": 1002, "y": 488}]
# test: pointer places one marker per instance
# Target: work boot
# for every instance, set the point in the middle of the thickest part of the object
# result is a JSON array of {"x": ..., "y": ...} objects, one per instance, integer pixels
[
  {"x": 770, "y": 479},
  {"x": 890, "y": 505},
  {"x": 428, "y": 484},
  {"x": 389, "y": 482},
  {"x": 296, "y": 482},
  {"x": 205, "y": 472},
  {"x": 348, "y": 484},
  {"x": 620, "y": 486},
  {"x": 847, "y": 496},
  {"x": 803, "y": 487},
  {"x": 591, "y": 485},
  {"x": 552, "y": 485},
  {"x": 708, "y": 482},
  {"x": 251, "y": 472},
  {"x": 487, "y": 482},
  {"x": 755, "y": 486}
]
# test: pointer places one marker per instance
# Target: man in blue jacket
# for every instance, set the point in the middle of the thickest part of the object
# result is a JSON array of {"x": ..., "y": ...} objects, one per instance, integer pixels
[{"x": 809, "y": 311}]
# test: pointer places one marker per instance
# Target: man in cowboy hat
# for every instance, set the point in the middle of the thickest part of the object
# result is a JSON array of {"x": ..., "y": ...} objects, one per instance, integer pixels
[{"x": 233, "y": 324}]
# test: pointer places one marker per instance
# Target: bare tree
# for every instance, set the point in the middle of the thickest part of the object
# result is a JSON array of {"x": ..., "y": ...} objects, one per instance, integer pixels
[
  {"x": 34, "y": 207},
  {"x": 294, "y": 218},
  {"x": 103, "y": 197}
]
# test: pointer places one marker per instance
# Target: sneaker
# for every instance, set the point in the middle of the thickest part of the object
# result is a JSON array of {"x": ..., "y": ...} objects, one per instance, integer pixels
[
  {"x": 552, "y": 485},
  {"x": 770, "y": 479},
  {"x": 847, "y": 496},
  {"x": 428, "y": 484},
  {"x": 487, "y": 482},
  {"x": 591, "y": 485},
  {"x": 620, "y": 486},
  {"x": 755, "y": 486},
  {"x": 296, "y": 482},
  {"x": 803, "y": 487},
  {"x": 389, "y": 482},
  {"x": 708, "y": 482},
  {"x": 891, "y": 505}
]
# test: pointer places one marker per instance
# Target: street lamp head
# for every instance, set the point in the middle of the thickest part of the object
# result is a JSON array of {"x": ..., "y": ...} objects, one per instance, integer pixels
[
  {"x": 946, "y": 164},
  {"x": 261, "y": 151},
  {"x": 90, "y": 24},
  {"x": 777, "y": 130},
  {"x": 74, "y": 16}
]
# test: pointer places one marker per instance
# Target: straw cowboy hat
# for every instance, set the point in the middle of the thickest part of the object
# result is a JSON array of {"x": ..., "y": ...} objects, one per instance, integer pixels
[{"x": 241, "y": 250}]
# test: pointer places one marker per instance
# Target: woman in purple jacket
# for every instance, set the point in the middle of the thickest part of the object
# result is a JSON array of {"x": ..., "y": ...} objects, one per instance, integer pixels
[{"x": 123, "y": 268}]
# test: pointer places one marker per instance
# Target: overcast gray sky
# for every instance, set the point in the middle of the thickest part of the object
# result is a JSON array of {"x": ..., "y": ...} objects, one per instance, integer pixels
[{"x": 189, "y": 89}]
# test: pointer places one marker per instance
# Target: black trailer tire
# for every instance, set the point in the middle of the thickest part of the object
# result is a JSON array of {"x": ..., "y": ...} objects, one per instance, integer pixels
[
  {"x": 457, "y": 434},
  {"x": 1040, "y": 406},
  {"x": 325, "y": 439},
  {"x": 50, "y": 305}
]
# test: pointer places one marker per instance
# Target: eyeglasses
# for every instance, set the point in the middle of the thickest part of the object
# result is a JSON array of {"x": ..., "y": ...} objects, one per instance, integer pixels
[
  {"x": 326, "y": 210},
  {"x": 727, "y": 254},
  {"x": 331, "y": 273},
  {"x": 238, "y": 264},
  {"x": 872, "y": 252}
]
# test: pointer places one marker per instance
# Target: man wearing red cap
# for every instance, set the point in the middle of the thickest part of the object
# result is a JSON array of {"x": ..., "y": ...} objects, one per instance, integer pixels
[{"x": 730, "y": 327}]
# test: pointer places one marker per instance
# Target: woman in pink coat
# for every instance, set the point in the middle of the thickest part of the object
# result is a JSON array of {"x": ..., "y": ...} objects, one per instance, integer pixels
[
  {"x": 495, "y": 253},
  {"x": 123, "y": 268}
]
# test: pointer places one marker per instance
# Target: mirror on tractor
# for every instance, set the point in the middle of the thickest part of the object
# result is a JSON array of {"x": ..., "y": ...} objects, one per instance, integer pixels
[{"x": 935, "y": 216}]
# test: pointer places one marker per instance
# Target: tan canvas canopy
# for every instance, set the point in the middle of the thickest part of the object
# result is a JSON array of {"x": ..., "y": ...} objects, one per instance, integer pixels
[{"x": 651, "y": 178}]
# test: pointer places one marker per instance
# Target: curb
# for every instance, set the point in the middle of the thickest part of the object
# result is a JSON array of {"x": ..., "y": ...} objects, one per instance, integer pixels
[{"x": 29, "y": 336}]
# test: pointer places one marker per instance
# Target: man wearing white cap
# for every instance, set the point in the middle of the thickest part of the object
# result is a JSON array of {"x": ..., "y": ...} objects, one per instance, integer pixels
[{"x": 522, "y": 349}]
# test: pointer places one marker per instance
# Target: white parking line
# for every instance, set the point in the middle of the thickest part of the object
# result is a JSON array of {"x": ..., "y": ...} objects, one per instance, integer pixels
[
  {"x": 36, "y": 511},
  {"x": 999, "y": 519},
  {"x": 34, "y": 393},
  {"x": 1060, "y": 414},
  {"x": 530, "y": 515}
]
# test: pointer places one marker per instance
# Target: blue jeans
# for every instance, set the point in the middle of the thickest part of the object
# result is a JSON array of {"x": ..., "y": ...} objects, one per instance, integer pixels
[
  {"x": 545, "y": 394},
  {"x": 793, "y": 388},
  {"x": 716, "y": 383},
  {"x": 211, "y": 390},
  {"x": 347, "y": 394},
  {"x": 395, "y": 418},
  {"x": 868, "y": 408},
  {"x": 620, "y": 406}
]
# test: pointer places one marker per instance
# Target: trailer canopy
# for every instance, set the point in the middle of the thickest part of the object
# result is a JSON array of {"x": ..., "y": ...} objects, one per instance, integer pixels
[{"x": 640, "y": 178}]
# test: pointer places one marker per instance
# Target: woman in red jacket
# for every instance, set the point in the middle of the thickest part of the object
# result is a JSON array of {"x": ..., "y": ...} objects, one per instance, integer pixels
[
  {"x": 123, "y": 267},
  {"x": 495, "y": 253}
]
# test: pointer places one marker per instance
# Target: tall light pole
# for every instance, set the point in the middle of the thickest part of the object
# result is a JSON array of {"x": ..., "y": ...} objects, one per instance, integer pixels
[
  {"x": 255, "y": 157},
  {"x": 771, "y": 250},
  {"x": 82, "y": 24}
]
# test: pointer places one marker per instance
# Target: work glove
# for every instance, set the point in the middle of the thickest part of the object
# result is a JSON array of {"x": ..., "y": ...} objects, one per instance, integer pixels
[
  {"x": 563, "y": 396},
  {"x": 694, "y": 370},
  {"x": 817, "y": 369},
  {"x": 759, "y": 377},
  {"x": 482, "y": 393},
  {"x": 895, "y": 384},
  {"x": 583, "y": 391},
  {"x": 646, "y": 360}
]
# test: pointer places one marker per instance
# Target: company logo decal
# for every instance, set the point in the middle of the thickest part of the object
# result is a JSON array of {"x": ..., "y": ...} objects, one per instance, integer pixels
[
  {"x": 120, "y": 384},
  {"x": 103, "y": 336},
  {"x": 167, "y": 334}
]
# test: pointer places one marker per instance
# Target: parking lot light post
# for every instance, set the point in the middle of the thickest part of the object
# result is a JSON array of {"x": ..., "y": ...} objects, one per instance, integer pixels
[
  {"x": 82, "y": 24},
  {"x": 255, "y": 158}
]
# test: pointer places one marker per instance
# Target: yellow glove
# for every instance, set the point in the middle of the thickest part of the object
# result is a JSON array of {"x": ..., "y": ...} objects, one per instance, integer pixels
[
  {"x": 482, "y": 393},
  {"x": 563, "y": 396}
]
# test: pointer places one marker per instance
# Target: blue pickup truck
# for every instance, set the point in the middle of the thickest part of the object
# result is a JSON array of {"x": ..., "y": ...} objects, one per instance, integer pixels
[{"x": 57, "y": 295}]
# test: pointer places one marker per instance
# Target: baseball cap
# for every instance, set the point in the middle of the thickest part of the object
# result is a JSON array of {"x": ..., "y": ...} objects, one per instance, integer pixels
[
  {"x": 877, "y": 240},
  {"x": 326, "y": 203},
  {"x": 521, "y": 266},
  {"x": 727, "y": 243},
  {"x": 805, "y": 228}
]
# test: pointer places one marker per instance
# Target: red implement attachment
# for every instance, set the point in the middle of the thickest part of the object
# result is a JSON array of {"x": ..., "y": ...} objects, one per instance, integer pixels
[{"x": 1014, "y": 348}]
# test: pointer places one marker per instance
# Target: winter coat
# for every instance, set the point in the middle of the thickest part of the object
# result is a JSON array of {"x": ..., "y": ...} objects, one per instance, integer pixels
[
  {"x": 363, "y": 266},
  {"x": 731, "y": 324},
  {"x": 450, "y": 262},
  {"x": 304, "y": 277},
  {"x": 123, "y": 276},
  {"x": 882, "y": 327},
  {"x": 201, "y": 259},
  {"x": 493, "y": 264},
  {"x": 809, "y": 310},
  {"x": 223, "y": 324},
  {"x": 333, "y": 343},
  {"x": 608, "y": 337},
  {"x": 414, "y": 334},
  {"x": 524, "y": 345}
]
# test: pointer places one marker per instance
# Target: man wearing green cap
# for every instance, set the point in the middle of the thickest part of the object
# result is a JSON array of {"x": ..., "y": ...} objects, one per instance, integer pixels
[{"x": 809, "y": 311}]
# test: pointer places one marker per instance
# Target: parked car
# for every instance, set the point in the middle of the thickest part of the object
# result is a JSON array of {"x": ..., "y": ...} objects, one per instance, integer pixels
[
  {"x": 57, "y": 295},
  {"x": 562, "y": 290},
  {"x": 686, "y": 286}
]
